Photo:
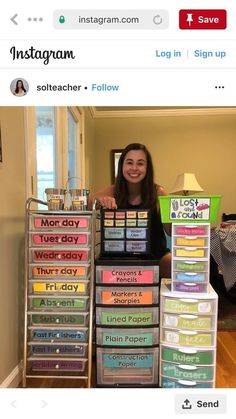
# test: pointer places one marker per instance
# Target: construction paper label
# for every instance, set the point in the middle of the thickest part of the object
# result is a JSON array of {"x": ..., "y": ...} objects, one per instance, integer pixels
[
  {"x": 167, "y": 383},
  {"x": 197, "y": 358},
  {"x": 66, "y": 255},
  {"x": 51, "y": 239},
  {"x": 198, "y": 374},
  {"x": 190, "y": 287},
  {"x": 74, "y": 271},
  {"x": 42, "y": 334},
  {"x": 198, "y": 339},
  {"x": 56, "y": 365},
  {"x": 69, "y": 222},
  {"x": 58, "y": 319},
  {"x": 191, "y": 231},
  {"x": 127, "y": 297},
  {"x": 127, "y": 339},
  {"x": 190, "y": 209},
  {"x": 55, "y": 349},
  {"x": 138, "y": 246},
  {"x": 187, "y": 323},
  {"x": 192, "y": 277},
  {"x": 114, "y": 233},
  {"x": 127, "y": 360},
  {"x": 70, "y": 287},
  {"x": 180, "y": 306},
  {"x": 126, "y": 276},
  {"x": 114, "y": 246},
  {"x": 183, "y": 266},
  {"x": 128, "y": 318},
  {"x": 136, "y": 233},
  {"x": 71, "y": 303}
]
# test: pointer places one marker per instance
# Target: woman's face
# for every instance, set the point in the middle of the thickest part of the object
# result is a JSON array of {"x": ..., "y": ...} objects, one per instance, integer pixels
[
  {"x": 135, "y": 166},
  {"x": 19, "y": 83}
]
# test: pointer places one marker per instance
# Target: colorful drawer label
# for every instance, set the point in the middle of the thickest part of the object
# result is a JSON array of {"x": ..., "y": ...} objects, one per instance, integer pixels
[
  {"x": 131, "y": 223},
  {"x": 167, "y": 383},
  {"x": 52, "y": 334},
  {"x": 128, "y": 318},
  {"x": 138, "y": 246},
  {"x": 181, "y": 287},
  {"x": 74, "y": 271},
  {"x": 63, "y": 287},
  {"x": 185, "y": 266},
  {"x": 187, "y": 372},
  {"x": 69, "y": 222},
  {"x": 191, "y": 231},
  {"x": 58, "y": 319},
  {"x": 190, "y": 277},
  {"x": 127, "y": 339},
  {"x": 188, "y": 338},
  {"x": 130, "y": 361},
  {"x": 127, "y": 297},
  {"x": 114, "y": 233},
  {"x": 70, "y": 303},
  {"x": 190, "y": 322},
  {"x": 196, "y": 253},
  {"x": 136, "y": 233},
  {"x": 56, "y": 365},
  {"x": 126, "y": 276},
  {"x": 190, "y": 209},
  {"x": 56, "y": 349},
  {"x": 181, "y": 357},
  {"x": 182, "y": 241},
  {"x": 51, "y": 239},
  {"x": 66, "y": 255},
  {"x": 191, "y": 307}
]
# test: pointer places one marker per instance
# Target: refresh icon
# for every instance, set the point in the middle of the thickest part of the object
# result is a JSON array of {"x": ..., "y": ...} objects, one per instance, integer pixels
[{"x": 157, "y": 19}]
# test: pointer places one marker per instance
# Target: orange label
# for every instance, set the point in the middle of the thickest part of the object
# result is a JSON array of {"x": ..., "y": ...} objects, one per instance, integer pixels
[{"x": 127, "y": 297}]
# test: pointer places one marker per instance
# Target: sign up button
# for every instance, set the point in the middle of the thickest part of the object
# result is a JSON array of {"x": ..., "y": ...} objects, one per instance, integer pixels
[{"x": 202, "y": 19}]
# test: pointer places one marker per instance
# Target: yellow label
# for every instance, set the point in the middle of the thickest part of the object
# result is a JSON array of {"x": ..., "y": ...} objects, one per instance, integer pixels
[
  {"x": 142, "y": 214},
  {"x": 48, "y": 271},
  {"x": 63, "y": 287},
  {"x": 108, "y": 223},
  {"x": 131, "y": 214}
]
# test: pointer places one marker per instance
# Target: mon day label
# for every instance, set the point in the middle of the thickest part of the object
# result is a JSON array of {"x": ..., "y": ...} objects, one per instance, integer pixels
[
  {"x": 190, "y": 209},
  {"x": 61, "y": 222},
  {"x": 127, "y": 318},
  {"x": 138, "y": 360}
]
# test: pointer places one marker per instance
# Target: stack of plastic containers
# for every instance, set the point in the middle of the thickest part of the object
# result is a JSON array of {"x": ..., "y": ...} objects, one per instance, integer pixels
[
  {"x": 188, "y": 324},
  {"x": 127, "y": 303}
]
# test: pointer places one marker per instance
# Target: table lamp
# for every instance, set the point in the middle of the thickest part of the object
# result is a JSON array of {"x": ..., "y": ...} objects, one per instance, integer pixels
[{"x": 186, "y": 184}]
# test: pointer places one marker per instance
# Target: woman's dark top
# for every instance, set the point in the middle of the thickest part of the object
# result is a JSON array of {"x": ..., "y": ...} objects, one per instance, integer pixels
[{"x": 158, "y": 238}]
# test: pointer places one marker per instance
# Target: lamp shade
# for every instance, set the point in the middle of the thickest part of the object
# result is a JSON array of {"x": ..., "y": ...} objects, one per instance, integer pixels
[{"x": 186, "y": 184}]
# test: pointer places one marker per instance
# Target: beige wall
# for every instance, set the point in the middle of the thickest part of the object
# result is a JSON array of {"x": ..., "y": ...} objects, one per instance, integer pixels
[
  {"x": 12, "y": 181},
  {"x": 89, "y": 145},
  {"x": 204, "y": 145}
]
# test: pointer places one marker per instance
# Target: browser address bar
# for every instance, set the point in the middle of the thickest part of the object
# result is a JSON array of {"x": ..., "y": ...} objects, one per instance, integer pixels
[{"x": 111, "y": 19}]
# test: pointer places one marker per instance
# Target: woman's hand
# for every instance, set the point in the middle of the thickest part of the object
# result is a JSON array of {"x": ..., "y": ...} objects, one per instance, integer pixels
[{"x": 108, "y": 202}]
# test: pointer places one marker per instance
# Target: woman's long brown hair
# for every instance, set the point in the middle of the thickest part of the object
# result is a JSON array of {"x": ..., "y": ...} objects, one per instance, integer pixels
[{"x": 148, "y": 187}]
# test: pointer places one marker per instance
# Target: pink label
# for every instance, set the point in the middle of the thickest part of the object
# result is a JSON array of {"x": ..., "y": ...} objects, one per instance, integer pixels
[
  {"x": 69, "y": 255},
  {"x": 51, "y": 239},
  {"x": 190, "y": 231},
  {"x": 127, "y": 276},
  {"x": 70, "y": 222}
]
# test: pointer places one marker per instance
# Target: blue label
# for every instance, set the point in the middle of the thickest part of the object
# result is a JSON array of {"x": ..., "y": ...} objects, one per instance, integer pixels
[{"x": 41, "y": 334}]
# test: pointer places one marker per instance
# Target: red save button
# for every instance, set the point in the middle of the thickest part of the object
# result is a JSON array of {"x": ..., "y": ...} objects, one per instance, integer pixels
[{"x": 202, "y": 19}]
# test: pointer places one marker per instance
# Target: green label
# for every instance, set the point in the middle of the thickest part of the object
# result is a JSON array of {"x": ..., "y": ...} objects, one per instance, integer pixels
[
  {"x": 127, "y": 318},
  {"x": 190, "y": 267},
  {"x": 181, "y": 306},
  {"x": 198, "y": 373},
  {"x": 197, "y": 358},
  {"x": 127, "y": 339},
  {"x": 59, "y": 303},
  {"x": 199, "y": 323},
  {"x": 58, "y": 319},
  {"x": 198, "y": 339}
]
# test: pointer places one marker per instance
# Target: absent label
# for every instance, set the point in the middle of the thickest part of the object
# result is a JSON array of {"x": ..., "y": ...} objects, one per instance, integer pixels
[
  {"x": 76, "y": 303},
  {"x": 128, "y": 318},
  {"x": 168, "y": 383},
  {"x": 119, "y": 360},
  {"x": 75, "y": 271},
  {"x": 66, "y": 255},
  {"x": 190, "y": 209},
  {"x": 127, "y": 297},
  {"x": 192, "y": 253},
  {"x": 60, "y": 287},
  {"x": 70, "y": 222},
  {"x": 126, "y": 276},
  {"x": 50, "y": 239}
]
